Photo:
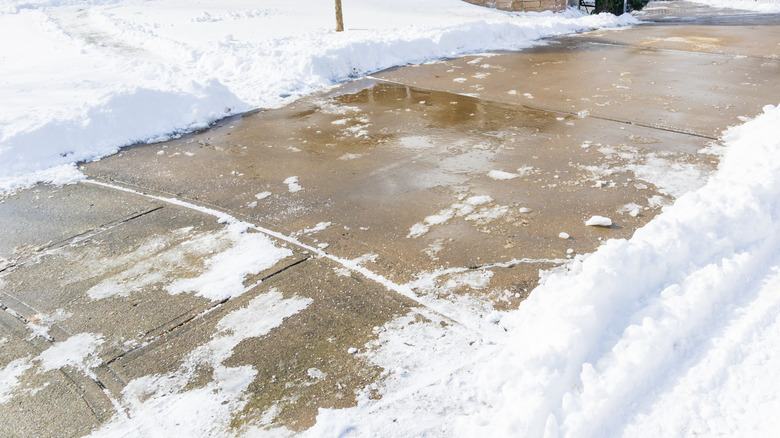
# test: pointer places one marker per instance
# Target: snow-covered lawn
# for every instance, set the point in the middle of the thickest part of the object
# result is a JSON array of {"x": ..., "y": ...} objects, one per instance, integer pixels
[{"x": 79, "y": 79}]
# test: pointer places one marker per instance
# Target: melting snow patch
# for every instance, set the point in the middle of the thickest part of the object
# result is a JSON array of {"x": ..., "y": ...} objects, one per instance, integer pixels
[
  {"x": 321, "y": 226},
  {"x": 226, "y": 271},
  {"x": 159, "y": 405},
  {"x": 9, "y": 377},
  {"x": 77, "y": 351},
  {"x": 292, "y": 184}
]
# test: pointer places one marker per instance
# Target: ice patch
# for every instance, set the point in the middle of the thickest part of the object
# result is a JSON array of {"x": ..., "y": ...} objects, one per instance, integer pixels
[{"x": 9, "y": 377}]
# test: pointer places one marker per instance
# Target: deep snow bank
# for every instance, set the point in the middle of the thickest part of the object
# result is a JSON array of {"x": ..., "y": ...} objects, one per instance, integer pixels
[
  {"x": 81, "y": 79},
  {"x": 671, "y": 333}
]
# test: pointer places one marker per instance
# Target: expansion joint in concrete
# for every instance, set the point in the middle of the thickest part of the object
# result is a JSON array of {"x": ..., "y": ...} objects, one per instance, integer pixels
[{"x": 51, "y": 247}]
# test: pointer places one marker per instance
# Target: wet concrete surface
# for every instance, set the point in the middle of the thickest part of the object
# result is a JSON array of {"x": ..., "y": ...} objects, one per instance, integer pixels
[
  {"x": 422, "y": 175},
  {"x": 376, "y": 163}
]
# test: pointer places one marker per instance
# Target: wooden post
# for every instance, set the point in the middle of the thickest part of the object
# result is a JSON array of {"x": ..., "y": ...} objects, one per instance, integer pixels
[{"x": 339, "y": 19}]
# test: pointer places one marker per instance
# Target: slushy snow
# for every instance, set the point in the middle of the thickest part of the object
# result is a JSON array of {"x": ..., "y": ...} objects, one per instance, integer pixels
[{"x": 82, "y": 79}]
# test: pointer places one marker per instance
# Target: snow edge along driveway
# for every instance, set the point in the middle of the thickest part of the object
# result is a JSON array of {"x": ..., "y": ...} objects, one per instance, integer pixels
[{"x": 134, "y": 98}]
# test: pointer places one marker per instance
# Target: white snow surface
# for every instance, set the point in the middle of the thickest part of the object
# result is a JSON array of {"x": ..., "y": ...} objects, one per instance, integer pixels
[
  {"x": 599, "y": 221},
  {"x": 771, "y": 6},
  {"x": 672, "y": 333},
  {"x": 80, "y": 79}
]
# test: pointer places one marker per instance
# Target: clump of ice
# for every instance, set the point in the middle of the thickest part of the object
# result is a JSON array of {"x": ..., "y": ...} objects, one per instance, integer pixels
[{"x": 599, "y": 221}]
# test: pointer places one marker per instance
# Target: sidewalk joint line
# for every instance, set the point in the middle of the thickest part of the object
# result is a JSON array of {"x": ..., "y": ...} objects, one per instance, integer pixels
[{"x": 352, "y": 265}]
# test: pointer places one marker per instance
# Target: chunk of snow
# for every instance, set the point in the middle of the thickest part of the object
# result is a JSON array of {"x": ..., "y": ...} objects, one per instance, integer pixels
[
  {"x": 501, "y": 175},
  {"x": 292, "y": 184},
  {"x": 599, "y": 221}
]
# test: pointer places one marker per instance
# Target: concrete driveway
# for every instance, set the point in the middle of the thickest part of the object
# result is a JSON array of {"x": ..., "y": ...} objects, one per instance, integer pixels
[{"x": 438, "y": 191}]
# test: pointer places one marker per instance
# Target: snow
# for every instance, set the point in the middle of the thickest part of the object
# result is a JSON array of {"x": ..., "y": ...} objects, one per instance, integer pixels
[
  {"x": 81, "y": 80},
  {"x": 599, "y": 221},
  {"x": 670, "y": 333},
  {"x": 501, "y": 175},
  {"x": 226, "y": 271},
  {"x": 77, "y": 351},
  {"x": 159, "y": 405},
  {"x": 9, "y": 377},
  {"x": 771, "y": 6}
]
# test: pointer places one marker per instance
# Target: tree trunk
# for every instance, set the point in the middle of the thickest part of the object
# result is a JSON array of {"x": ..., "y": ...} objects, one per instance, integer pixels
[{"x": 339, "y": 19}]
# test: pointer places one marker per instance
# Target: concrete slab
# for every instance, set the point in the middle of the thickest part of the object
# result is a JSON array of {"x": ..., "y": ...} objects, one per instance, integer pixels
[{"x": 47, "y": 216}]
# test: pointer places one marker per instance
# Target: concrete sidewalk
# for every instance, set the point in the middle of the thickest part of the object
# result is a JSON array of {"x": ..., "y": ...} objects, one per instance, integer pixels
[{"x": 440, "y": 190}]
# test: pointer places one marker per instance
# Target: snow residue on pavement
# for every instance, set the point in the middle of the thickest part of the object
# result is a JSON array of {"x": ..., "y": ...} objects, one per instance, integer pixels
[
  {"x": 226, "y": 271},
  {"x": 159, "y": 405},
  {"x": 9, "y": 377},
  {"x": 219, "y": 262},
  {"x": 670, "y": 333},
  {"x": 78, "y": 351},
  {"x": 81, "y": 79}
]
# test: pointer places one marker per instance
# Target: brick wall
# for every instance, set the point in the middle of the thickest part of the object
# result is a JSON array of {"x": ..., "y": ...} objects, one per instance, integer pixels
[{"x": 522, "y": 5}]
